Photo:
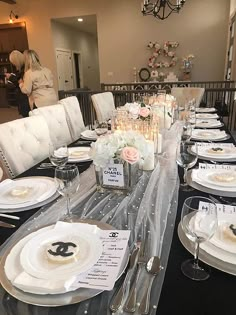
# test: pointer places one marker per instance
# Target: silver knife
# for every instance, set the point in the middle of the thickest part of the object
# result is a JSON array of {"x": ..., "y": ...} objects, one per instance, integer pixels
[
  {"x": 118, "y": 297},
  {"x": 7, "y": 225}
]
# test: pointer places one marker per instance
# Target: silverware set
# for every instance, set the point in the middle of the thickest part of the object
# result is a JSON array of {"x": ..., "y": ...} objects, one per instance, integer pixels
[
  {"x": 5, "y": 224},
  {"x": 138, "y": 261},
  {"x": 44, "y": 165}
]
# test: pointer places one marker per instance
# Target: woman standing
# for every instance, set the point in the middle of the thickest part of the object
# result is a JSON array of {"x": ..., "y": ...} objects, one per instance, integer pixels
[
  {"x": 37, "y": 82},
  {"x": 17, "y": 59}
]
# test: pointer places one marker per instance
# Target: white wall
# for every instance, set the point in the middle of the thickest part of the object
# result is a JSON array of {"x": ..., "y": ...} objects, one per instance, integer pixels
[
  {"x": 71, "y": 39},
  {"x": 123, "y": 33}
]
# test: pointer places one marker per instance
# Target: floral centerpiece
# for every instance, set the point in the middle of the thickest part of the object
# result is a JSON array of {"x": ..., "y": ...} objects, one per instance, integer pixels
[
  {"x": 116, "y": 158},
  {"x": 187, "y": 63},
  {"x": 138, "y": 110}
]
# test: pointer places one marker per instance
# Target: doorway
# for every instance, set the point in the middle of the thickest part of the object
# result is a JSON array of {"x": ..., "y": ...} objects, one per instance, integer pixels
[
  {"x": 77, "y": 70},
  {"x": 64, "y": 69}
]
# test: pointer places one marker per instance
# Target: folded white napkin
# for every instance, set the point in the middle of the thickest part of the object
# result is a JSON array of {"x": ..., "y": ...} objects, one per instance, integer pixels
[
  {"x": 208, "y": 134},
  {"x": 24, "y": 281}
]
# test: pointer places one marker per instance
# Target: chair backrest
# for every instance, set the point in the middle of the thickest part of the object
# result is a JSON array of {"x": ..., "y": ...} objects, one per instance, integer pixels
[
  {"x": 74, "y": 116},
  {"x": 104, "y": 105},
  {"x": 185, "y": 94},
  {"x": 55, "y": 117},
  {"x": 23, "y": 143}
]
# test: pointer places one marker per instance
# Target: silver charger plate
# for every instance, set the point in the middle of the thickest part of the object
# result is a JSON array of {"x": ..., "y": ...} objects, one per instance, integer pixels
[
  {"x": 207, "y": 189},
  {"x": 52, "y": 300},
  {"x": 212, "y": 140},
  {"x": 36, "y": 205},
  {"x": 204, "y": 256}
]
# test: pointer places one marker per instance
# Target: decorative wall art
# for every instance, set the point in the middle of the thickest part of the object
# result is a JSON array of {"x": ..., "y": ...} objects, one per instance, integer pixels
[{"x": 166, "y": 51}]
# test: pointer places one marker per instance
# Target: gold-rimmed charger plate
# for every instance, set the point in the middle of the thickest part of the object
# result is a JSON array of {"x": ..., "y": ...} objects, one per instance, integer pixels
[{"x": 52, "y": 300}]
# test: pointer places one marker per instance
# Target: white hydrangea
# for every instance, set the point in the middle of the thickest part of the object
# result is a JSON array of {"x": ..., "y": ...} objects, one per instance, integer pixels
[{"x": 109, "y": 146}]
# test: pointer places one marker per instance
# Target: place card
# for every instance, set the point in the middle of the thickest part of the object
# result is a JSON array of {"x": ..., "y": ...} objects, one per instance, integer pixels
[
  {"x": 222, "y": 210},
  {"x": 103, "y": 274},
  {"x": 206, "y": 166},
  {"x": 206, "y": 144},
  {"x": 113, "y": 175}
]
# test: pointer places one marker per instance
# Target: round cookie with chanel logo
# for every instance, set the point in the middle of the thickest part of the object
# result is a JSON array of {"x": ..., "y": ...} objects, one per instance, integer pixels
[{"x": 62, "y": 251}]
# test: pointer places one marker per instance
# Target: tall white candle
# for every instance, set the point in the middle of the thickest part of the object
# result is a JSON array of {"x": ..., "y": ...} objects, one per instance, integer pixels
[
  {"x": 159, "y": 143},
  {"x": 148, "y": 164}
]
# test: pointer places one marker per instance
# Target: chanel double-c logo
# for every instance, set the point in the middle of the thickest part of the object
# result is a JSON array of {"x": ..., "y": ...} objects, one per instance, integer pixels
[
  {"x": 113, "y": 234},
  {"x": 62, "y": 249}
]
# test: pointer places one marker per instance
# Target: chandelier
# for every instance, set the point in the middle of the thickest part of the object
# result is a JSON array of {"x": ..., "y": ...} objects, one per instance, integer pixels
[{"x": 161, "y": 9}]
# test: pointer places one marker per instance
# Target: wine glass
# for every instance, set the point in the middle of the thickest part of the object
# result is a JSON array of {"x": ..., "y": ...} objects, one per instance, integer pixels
[
  {"x": 67, "y": 182},
  {"x": 187, "y": 131},
  {"x": 199, "y": 222},
  {"x": 186, "y": 157},
  {"x": 58, "y": 154}
]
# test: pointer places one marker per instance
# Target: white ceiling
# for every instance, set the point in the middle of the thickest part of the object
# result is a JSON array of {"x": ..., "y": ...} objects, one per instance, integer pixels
[{"x": 88, "y": 25}]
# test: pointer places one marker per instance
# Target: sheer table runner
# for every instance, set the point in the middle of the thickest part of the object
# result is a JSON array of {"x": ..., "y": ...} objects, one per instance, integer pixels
[{"x": 149, "y": 212}]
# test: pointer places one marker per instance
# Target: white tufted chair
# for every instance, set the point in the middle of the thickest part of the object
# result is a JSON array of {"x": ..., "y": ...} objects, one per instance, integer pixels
[
  {"x": 104, "y": 105},
  {"x": 186, "y": 94},
  {"x": 74, "y": 116},
  {"x": 1, "y": 173},
  {"x": 24, "y": 144},
  {"x": 55, "y": 117}
]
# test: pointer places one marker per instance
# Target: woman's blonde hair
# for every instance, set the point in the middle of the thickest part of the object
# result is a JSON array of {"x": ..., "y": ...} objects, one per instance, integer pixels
[
  {"x": 31, "y": 60},
  {"x": 17, "y": 59}
]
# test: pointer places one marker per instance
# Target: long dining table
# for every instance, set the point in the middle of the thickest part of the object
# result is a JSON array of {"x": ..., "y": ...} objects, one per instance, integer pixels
[{"x": 172, "y": 292}]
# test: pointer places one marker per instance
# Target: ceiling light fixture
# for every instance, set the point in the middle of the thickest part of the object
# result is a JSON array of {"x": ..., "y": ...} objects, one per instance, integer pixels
[
  {"x": 12, "y": 17},
  {"x": 161, "y": 9},
  {"x": 80, "y": 20}
]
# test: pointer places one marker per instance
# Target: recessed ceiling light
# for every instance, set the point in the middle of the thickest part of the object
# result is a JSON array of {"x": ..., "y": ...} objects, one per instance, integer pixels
[{"x": 80, "y": 20}]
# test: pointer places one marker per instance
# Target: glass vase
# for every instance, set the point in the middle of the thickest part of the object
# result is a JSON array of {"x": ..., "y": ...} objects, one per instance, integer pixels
[{"x": 119, "y": 176}]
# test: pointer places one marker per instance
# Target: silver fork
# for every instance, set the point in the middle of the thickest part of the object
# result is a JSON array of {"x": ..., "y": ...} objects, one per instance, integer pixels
[{"x": 130, "y": 305}]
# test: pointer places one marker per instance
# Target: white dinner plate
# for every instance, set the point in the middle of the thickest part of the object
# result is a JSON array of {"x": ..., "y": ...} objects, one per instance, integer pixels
[
  {"x": 89, "y": 135},
  {"x": 226, "y": 178},
  {"x": 35, "y": 260},
  {"x": 199, "y": 179},
  {"x": 205, "y": 109},
  {"x": 217, "y": 152},
  {"x": 79, "y": 154},
  {"x": 207, "y": 116},
  {"x": 9, "y": 267},
  {"x": 224, "y": 237},
  {"x": 210, "y": 254},
  {"x": 26, "y": 191}
]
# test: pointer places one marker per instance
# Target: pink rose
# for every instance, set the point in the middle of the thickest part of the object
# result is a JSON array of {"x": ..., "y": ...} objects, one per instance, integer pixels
[
  {"x": 130, "y": 154},
  {"x": 144, "y": 112}
]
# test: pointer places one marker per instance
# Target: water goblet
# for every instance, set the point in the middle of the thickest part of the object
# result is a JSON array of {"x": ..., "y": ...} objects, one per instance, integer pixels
[
  {"x": 187, "y": 131},
  {"x": 58, "y": 154},
  {"x": 67, "y": 182},
  {"x": 186, "y": 157},
  {"x": 199, "y": 222}
]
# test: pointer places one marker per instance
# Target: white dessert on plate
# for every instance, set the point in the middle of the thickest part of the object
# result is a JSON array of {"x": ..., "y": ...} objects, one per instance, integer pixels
[
  {"x": 20, "y": 191},
  {"x": 62, "y": 252}
]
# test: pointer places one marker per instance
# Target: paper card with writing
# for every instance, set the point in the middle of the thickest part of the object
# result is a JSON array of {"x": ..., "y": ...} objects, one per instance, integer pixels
[
  {"x": 113, "y": 175},
  {"x": 206, "y": 144},
  {"x": 103, "y": 274},
  {"x": 206, "y": 166}
]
